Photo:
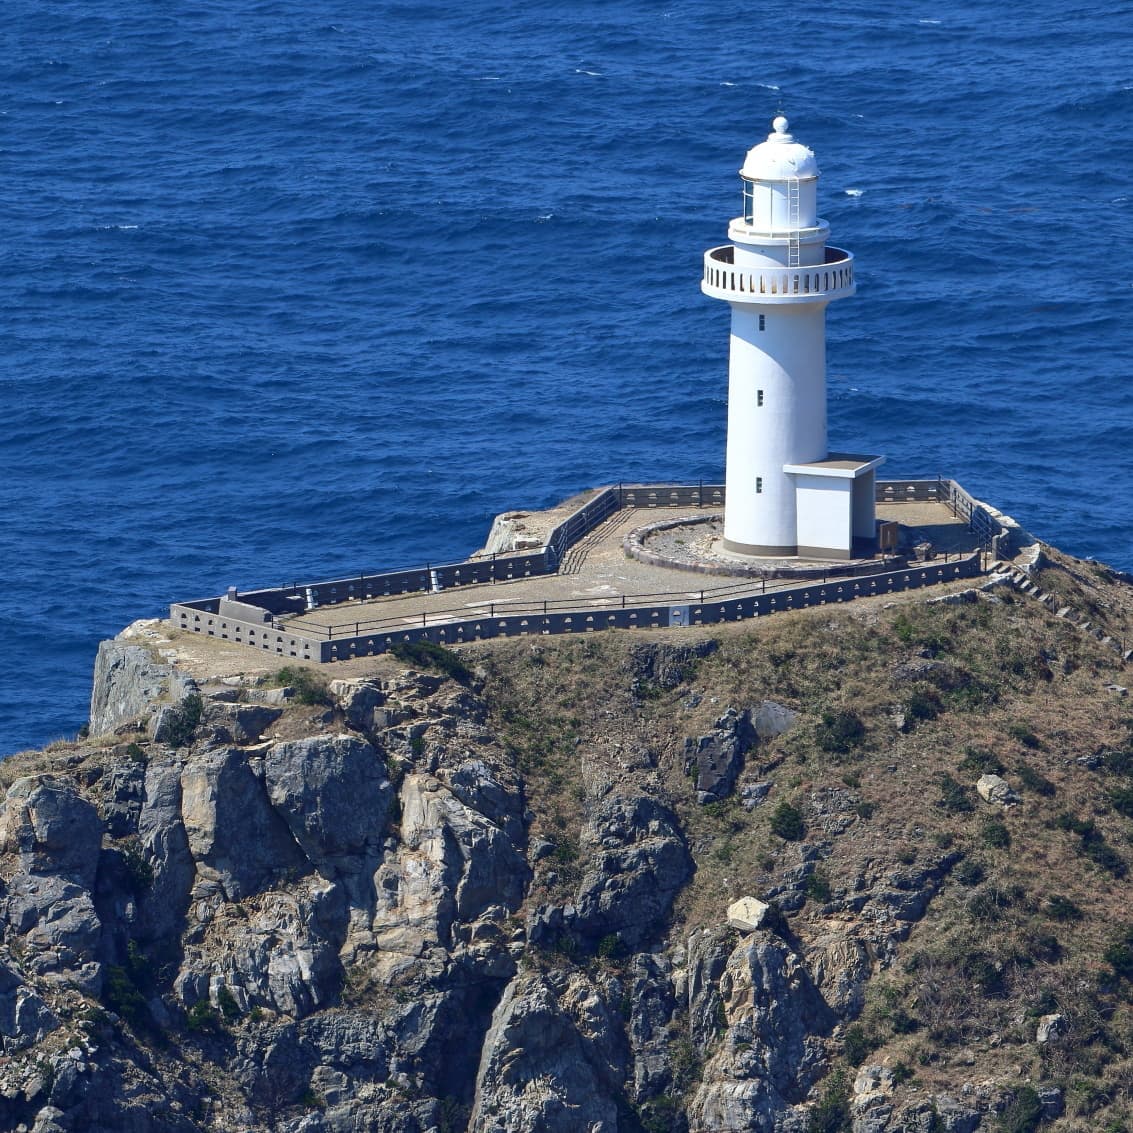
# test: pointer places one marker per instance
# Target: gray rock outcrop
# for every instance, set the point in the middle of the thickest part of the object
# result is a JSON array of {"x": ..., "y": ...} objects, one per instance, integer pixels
[
  {"x": 406, "y": 908},
  {"x": 552, "y": 1061},
  {"x": 640, "y": 863},
  {"x": 52, "y": 829},
  {"x": 994, "y": 789},
  {"x": 131, "y": 685},
  {"x": 748, "y": 913},
  {"x": 771, "y": 1051},
  {"x": 334, "y": 794},
  {"x": 716, "y": 759},
  {"x": 235, "y": 836}
]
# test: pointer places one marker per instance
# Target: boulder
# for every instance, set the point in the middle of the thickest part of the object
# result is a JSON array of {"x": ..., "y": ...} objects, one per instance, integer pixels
[
  {"x": 1052, "y": 1100},
  {"x": 840, "y": 966},
  {"x": 772, "y": 1051},
  {"x": 483, "y": 868},
  {"x": 993, "y": 789},
  {"x": 361, "y": 702},
  {"x": 772, "y": 719},
  {"x": 59, "y": 925},
  {"x": 284, "y": 957},
  {"x": 1051, "y": 1028},
  {"x": 716, "y": 759},
  {"x": 943, "y": 1112},
  {"x": 551, "y": 1061},
  {"x": 667, "y": 666},
  {"x": 748, "y": 913},
  {"x": 123, "y": 788},
  {"x": 873, "y": 1079},
  {"x": 233, "y": 832},
  {"x": 707, "y": 956},
  {"x": 24, "y": 1017},
  {"x": 163, "y": 841},
  {"x": 239, "y": 723},
  {"x": 752, "y": 794},
  {"x": 479, "y": 787},
  {"x": 49, "y": 1120},
  {"x": 52, "y": 828},
  {"x": 653, "y": 1011}
]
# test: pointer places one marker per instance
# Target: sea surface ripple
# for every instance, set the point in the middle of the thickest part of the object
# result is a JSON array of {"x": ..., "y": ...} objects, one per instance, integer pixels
[{"x": 298, "y": 289}]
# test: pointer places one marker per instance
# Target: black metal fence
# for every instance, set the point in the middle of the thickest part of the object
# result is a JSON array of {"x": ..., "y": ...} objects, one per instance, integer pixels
[
  {"x": 296, "y": 637},
  {"x": 750, "y": 600}
]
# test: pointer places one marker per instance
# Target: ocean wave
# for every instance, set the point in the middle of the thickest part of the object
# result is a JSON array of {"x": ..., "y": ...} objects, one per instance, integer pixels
[{"x": 385, "y": 277}]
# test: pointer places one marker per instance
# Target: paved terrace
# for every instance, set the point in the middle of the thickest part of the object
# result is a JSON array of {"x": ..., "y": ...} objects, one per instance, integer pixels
[{"x": 596, "y": 573}]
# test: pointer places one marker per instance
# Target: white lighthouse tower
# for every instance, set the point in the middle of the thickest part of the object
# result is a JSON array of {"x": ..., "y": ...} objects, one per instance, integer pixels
[{"x": 786, "y": 494}]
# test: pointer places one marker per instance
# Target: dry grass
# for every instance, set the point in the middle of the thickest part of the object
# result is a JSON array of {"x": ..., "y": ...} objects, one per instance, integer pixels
[
  {"x": 1006, "y": 684},
  {"x": 939, "y": 690}
]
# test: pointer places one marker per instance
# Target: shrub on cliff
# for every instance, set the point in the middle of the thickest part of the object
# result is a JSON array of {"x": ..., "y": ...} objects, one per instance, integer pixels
[
  {"x": 787, "y": 822},
  {"x": 839, "y": 732},
  {"x": 310, "y": 687},
  {"x": 429, "y": 655},
  {"x": 1024, "y": 1114}
]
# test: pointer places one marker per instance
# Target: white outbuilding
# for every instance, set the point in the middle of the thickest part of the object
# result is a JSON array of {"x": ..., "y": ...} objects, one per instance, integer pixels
[{"x": 786, "y": 493}]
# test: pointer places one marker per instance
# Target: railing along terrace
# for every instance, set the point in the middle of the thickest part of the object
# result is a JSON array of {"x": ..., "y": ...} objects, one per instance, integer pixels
[
  {"x": 281, "y": 631},
  {"x": 721, "y": 275},
  {"x": 655, "y": 616},
  {"x": 492, "y": 608}
]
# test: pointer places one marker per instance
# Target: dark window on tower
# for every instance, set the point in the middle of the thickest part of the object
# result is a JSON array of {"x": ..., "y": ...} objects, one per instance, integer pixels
[
  {"x": 762, "y": 322},
  {"x": 759, "y": 483},
  {"x": 759, "y": 397}
]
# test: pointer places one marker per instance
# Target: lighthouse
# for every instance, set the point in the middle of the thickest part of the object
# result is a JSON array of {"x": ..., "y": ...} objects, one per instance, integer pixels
[{"x": 786, "y": 494}]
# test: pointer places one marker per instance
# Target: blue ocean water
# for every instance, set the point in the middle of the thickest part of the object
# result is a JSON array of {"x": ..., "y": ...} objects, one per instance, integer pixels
[{"x": 293, "y": 289}]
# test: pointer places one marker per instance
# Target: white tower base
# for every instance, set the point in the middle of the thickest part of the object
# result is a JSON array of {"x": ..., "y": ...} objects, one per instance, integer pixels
[{"x": 787, "y": 494}]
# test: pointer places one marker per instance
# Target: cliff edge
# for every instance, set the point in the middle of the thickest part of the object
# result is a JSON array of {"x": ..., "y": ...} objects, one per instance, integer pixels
[{"x": 852, "y": 868}]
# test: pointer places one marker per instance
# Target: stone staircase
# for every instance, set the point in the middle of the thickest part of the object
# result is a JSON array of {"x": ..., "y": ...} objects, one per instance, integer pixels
[{"x": 1005, "y": 573}]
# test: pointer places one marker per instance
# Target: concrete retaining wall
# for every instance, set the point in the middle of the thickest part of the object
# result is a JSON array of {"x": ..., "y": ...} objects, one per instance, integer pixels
[
  {"x": 220, "y": 617},
  {"x": 189, "y": 617}
]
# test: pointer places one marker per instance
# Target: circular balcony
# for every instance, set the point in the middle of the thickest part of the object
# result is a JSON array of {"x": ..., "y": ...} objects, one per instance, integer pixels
[{"x": 823, "y": 282}]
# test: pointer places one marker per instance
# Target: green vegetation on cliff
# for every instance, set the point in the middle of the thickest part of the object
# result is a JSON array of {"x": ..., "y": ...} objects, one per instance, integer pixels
[{"x": 490, "y": 891}]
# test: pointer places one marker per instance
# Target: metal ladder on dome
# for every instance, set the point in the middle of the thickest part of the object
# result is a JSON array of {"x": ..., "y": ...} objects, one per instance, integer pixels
[{"x": 793, "y": 210}]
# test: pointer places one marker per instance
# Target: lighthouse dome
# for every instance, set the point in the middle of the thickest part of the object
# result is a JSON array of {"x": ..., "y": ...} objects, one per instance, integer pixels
[{"x": 779, "y": 158}]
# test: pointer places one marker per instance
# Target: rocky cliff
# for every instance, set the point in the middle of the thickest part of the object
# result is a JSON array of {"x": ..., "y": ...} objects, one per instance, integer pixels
[{"x": 617, "y": 883}]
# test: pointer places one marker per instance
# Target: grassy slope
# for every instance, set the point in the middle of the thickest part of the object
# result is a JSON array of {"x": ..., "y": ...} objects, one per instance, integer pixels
[
  {"x": 1025, "y": 925},
  {"x": 1030, "y": 921}
]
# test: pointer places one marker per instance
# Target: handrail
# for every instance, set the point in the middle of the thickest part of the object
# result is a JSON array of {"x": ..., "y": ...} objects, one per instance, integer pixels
[
  {"x": 535, "y": 608},
  {"x": 779, "y": 281},
  {"x": 502, "y": 566}
]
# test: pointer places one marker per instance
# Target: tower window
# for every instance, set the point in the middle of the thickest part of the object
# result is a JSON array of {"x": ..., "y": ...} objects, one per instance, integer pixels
[
  {"x": 759, "y": 397},
  {"x": 762, "y": 322},
  {"x": 759, "y": 484}
]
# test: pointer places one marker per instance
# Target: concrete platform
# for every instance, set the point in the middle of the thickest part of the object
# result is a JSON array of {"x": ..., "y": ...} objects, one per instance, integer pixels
[{"x": 598, "y": 574}]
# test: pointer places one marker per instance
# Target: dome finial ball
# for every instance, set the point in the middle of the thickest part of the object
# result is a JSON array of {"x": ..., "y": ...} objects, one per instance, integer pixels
[{"x": 780, "y": 124}]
